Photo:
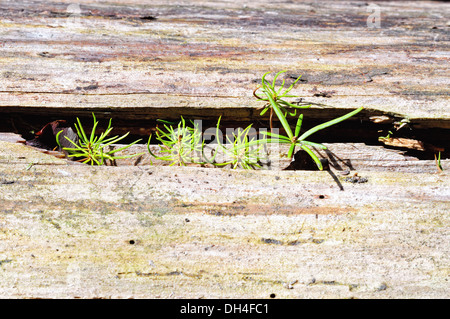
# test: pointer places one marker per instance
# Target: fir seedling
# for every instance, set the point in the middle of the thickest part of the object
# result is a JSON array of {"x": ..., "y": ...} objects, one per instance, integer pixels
[
  {"x": 273, "y": 95},
  {"x": 94, "y": 149},
  {"x": 438, "y": 162},
  {"x": 240, "y": 151},
  {"x": 180, "y": 146},
  {"x": 387, "y": 137},
  {"x": 295, "y": 139},
  {"x": 279, "y": 107}
]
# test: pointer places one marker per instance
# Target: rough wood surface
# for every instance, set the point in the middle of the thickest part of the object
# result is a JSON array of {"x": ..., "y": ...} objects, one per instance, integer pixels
[
  {"x": 164, "y": 232},
  {"x": 340, "y": 156},
  {"x": 157, "y": 59},
  {"x": 74, "y": 231}
]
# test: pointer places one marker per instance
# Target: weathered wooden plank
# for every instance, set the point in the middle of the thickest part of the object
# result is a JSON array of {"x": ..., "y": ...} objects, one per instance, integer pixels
[
  {"x": 121, "y": 232},
  {"x": 207, "y": 54},
  {"x": 198, "y": 232}
]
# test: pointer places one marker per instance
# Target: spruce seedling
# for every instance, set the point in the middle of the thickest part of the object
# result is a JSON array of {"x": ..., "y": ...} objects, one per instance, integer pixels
[{"x": 438, "y": 162}]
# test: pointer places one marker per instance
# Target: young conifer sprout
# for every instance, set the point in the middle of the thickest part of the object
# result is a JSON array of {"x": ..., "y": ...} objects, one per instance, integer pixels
[
  {"x": 94, "y": 149},
  {"x": 186, "y": 144},
  {"x": 240, "y": 151},
  {"x": 180, "y": 146},
  {"x": 279, "y": 108}
]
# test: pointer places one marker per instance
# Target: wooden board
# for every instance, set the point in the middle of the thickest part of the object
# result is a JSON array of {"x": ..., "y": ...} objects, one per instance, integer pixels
[
  {"x": 141, "y": 59},
  {"x": 180, "y": 232},
  {"x": 74, "y": 231}
]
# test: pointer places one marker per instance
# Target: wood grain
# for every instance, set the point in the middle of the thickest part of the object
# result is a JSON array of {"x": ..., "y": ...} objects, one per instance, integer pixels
[
  {"x": 205, "y": 55},
  {"x": 73, "y": 231}
]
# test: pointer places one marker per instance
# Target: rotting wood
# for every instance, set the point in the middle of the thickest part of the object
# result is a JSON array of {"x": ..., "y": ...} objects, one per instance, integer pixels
[{"x": 411, "y": 144}]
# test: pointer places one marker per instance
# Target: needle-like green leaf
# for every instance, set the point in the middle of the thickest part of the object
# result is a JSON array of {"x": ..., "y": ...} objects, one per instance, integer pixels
[
  {"x": 298, "y": 126},
  {"x": 313, "y": 156},
  {"x": 280, "y": 116},
  {"x": 329, "y": 123}
]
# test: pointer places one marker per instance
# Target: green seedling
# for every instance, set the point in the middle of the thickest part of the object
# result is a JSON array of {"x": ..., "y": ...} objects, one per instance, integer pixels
[
  {"x": 295, "y": 139},
  {"x": 279, "y": 107},
  {"x": 273, "y": 95},
  {"x": 240, "y": 151},
  {"x": 94, "y": 149},
  {"x": 438, "y": 162},
  {"x": 179, "y": 146},
  {"x": 186, "y": 145},
  {"x": 382, "y": 138}
]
